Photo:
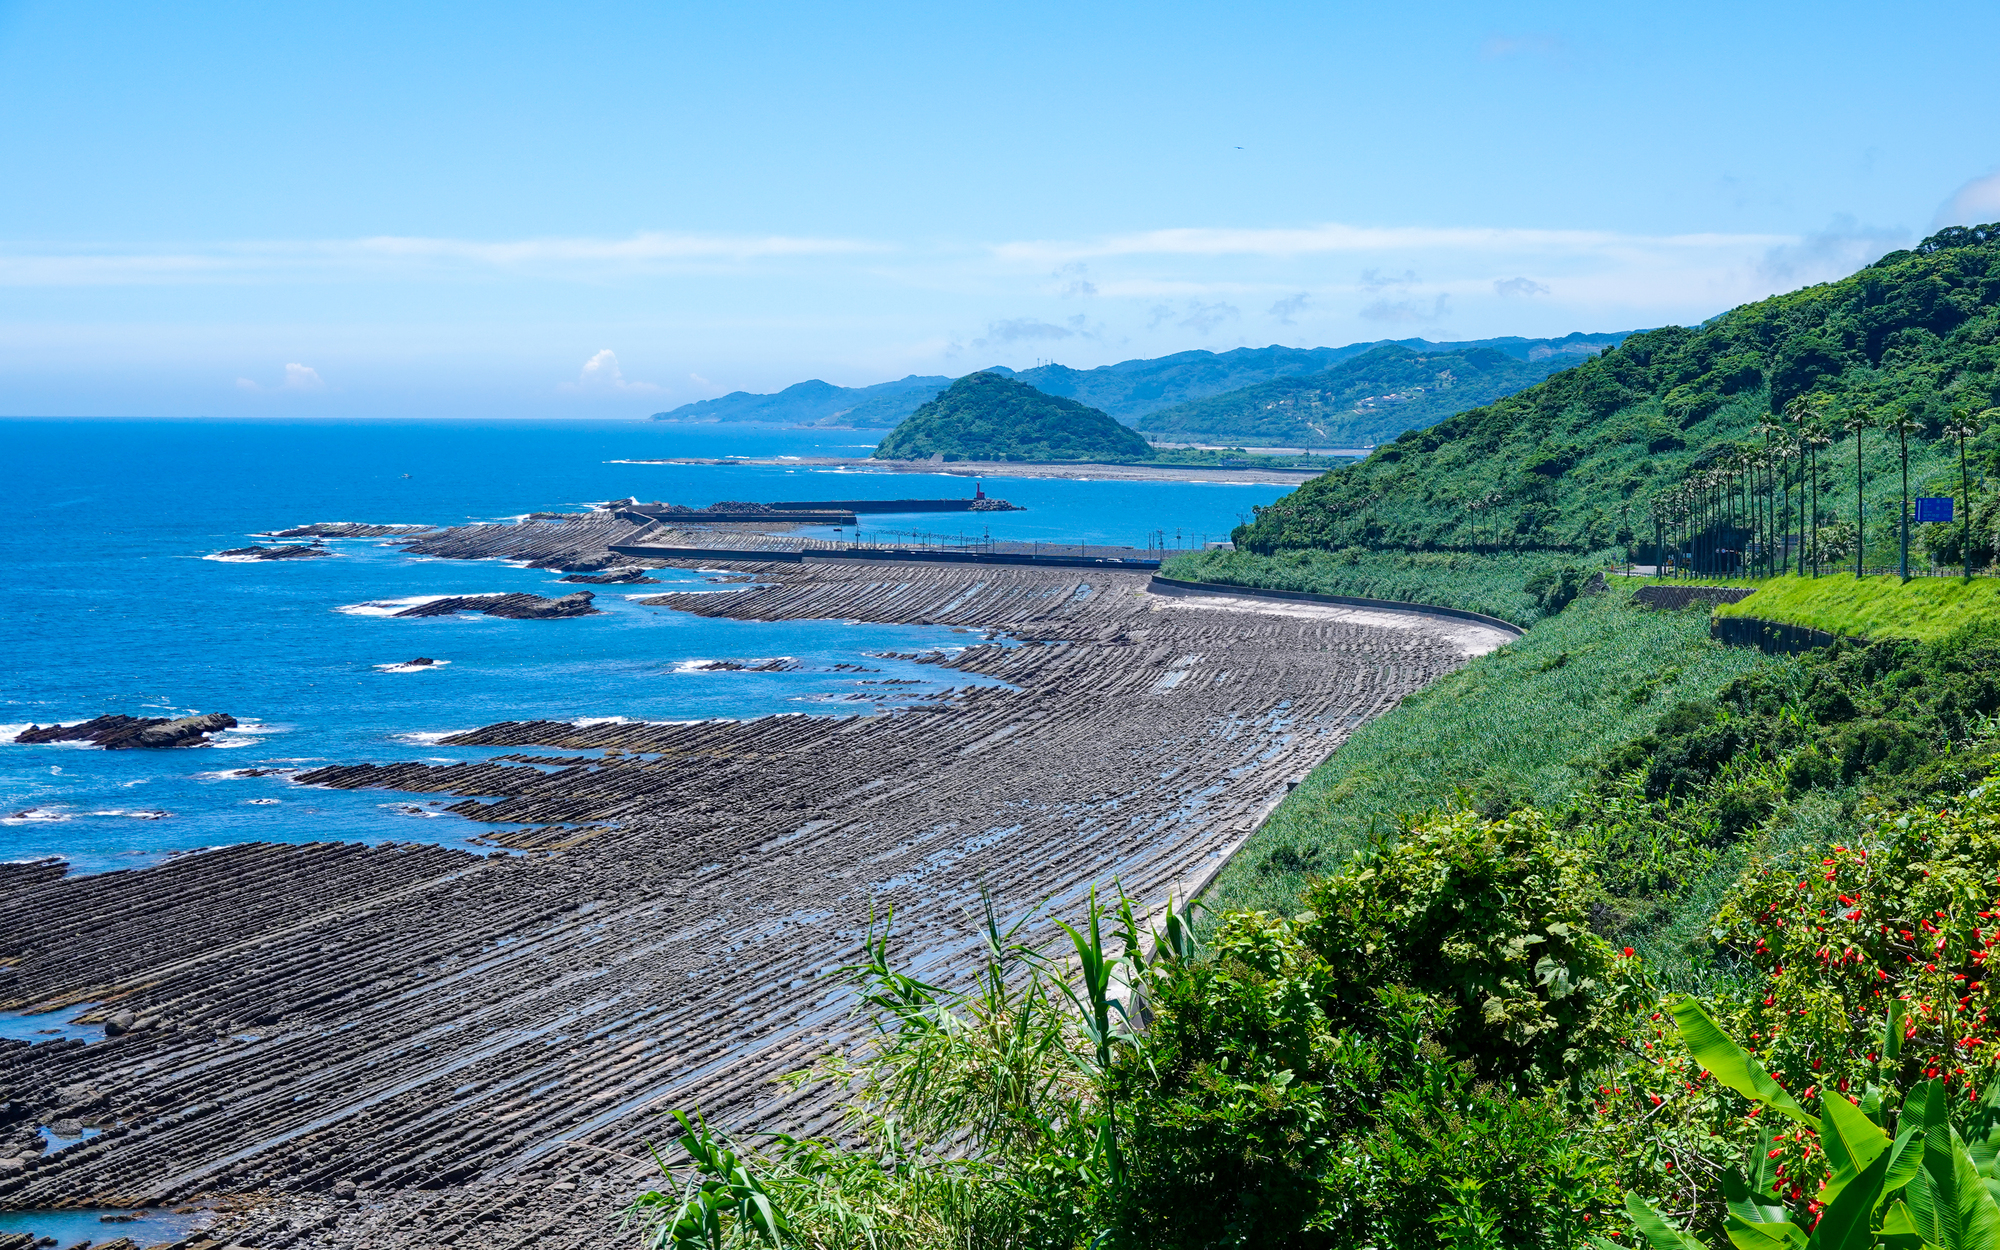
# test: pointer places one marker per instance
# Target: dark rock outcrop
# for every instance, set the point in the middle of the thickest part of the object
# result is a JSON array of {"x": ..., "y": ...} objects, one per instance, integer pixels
[
  {"x": 123, "y": 733},
  {"x": 631, "y": 577},
  {"x": 296, "y": 551},
  {"x": 519, "y": 607},
  {"x": 348, "y": 529}
]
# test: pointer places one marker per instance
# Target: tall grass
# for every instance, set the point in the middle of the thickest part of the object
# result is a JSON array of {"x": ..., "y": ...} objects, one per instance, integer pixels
[
  {"x": 1873, "y": 607},
  {"x": 1524, "y": 724},
  {"x": 1496, "y": 584}
]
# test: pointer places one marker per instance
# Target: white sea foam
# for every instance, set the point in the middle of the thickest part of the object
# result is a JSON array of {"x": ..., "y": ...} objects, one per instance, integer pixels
[
  {"x": 261, "y": 802},
  {"x": 410, "y": 668},
  {"x": 411, "y": 809},
  {"x": 389, "y": 607},
  {"x": 428, "y": 739},
  {"x": 138, "y": 814},
  {"x": 588, "y": 721},
  {"x": 219, "y": 558},
  {"x": 34, "y": 814}
]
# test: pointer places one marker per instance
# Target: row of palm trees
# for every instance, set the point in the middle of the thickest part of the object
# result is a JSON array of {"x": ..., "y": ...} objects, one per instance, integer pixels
[{"x": 1738, "y": 514}]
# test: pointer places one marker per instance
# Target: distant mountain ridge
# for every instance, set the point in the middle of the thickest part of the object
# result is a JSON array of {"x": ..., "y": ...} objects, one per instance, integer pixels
[
  {"x": 1127, "y": 390},
  {"x": 1359, "y": 402}
]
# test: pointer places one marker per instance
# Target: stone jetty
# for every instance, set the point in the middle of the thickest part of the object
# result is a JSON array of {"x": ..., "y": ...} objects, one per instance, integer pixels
[{"x": 410, "y": 1046}]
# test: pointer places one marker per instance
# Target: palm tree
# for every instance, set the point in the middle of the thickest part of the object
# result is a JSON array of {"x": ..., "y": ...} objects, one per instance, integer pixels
[
  {"x": 1857, "y": 421},
  {"x": 1961, "y": 428},
  {"x": 1804, "y": 411},
  {"x": 1815, "y": 439},
  {"x": 1905, "y": 425}
]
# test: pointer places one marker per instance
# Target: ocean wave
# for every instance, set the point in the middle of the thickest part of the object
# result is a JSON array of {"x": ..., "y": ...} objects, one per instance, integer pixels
[
  {"x": 133, "y": 814},
  {"x": 261, "y": 802},
  {"x": 427, "y": 738},
  {"x": 388, "y": 607},
  {"x": 35, "y": 815},
  {"x": 603, "y": 720}
]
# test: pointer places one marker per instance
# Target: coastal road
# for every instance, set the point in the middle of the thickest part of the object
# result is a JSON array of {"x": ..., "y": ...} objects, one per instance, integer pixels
[{"x": 414, "y": 1046}]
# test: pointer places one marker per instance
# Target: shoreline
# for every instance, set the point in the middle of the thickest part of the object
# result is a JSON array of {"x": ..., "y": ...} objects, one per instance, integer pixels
[
  {"x": 1078, "y": 471},
  {"x": 457, "y": 1034}
]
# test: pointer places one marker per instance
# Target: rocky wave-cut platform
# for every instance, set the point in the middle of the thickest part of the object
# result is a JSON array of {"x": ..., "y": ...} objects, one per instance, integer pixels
[
  {"x": 581, "y": 542},
  {"x": 416, "y": 1047},
  {"x": 295, "y": 551},
  {"x": 630, "y": 577},
  {"x": 124, "y": 733},
  {"x": 348, "y": 529},
  {"x": 515, "y": 607}
]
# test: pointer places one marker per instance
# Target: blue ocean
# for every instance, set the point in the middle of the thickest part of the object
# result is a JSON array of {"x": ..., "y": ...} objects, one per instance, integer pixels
[{"x": 114, "y": 609}]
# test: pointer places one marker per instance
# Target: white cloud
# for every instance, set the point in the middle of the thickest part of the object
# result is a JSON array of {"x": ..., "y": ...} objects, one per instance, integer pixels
[
  {"x": 1335, "y": 237},
  {"x": 1408, "y": 310},
  {"x": 397, "y": 256},
  {"x": 1840, "y": 249},
  {"x": 1974, "y": 204},
  {"x": 601, "y": 375},
  {"x": 303, "y": 378},
  {"x": 297, "y": 378},
  {"x": 1518, "y": 286},
  {"x": 1287, "y": 309}
]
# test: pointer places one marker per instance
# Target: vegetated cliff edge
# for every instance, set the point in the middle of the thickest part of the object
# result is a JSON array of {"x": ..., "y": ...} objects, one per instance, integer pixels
[
  {"x": 985, "y": 416},
  {"x": 1574, "y": 463}
]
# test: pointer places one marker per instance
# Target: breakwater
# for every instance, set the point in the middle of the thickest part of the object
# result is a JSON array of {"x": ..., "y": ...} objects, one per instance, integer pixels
[
  {"x": 414, "y": 1046},
  {"x": 894, "y": 555}
]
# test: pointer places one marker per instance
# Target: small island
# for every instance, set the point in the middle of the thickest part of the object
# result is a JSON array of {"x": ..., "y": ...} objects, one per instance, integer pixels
[{"x": 987, "y": 416}]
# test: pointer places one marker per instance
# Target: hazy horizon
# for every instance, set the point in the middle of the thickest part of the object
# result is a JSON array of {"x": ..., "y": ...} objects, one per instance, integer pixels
[{"x": 618, "y": 209}]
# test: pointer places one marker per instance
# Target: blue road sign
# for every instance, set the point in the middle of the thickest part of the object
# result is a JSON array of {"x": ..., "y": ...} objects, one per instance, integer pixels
[{"x": 1933, "y": 510}]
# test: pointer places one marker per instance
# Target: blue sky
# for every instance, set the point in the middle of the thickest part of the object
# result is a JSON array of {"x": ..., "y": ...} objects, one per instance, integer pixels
[{"x": 604, "y": 209}]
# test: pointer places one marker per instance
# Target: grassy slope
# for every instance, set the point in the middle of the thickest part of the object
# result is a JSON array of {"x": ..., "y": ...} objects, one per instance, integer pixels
[
  {"x": 1873, "y": 607},
  {"x": 1572, "y": 464},
  {"x": 1525, "y": 722}
]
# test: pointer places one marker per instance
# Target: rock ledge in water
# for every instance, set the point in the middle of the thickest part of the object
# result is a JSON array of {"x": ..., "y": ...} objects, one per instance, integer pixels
[
  {"x": 296, "y": 551},
  {"x": 518, "y": 607},
  {"x": 123, "y": 733}
]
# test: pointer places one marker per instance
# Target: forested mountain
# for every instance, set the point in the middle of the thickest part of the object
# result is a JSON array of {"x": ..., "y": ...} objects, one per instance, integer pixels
[
  {"x": 1127, "y": 390},
  {"x": 986, "y": 416},
  {"x": 1357, "y": 403},
  {"x": 1577, "y": 462}
]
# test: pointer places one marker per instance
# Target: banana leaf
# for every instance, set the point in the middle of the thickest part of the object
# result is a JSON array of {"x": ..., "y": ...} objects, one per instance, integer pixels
[
  {"x": 1848, "y": 1222},
  {"x": 1653, "y": 1226},
  {"x": 1731, "y": 1064},
  {"x": 1949, "y": 1202},
  {"x": 1851, "y": 1141}
]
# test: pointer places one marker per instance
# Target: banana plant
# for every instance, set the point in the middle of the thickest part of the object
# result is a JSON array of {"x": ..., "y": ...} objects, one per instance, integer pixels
[{"x": 1923, "y": 1188}]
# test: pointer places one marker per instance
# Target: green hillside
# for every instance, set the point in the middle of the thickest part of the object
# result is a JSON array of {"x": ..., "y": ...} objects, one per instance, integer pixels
[
  {"x": 985, "y": 416},
  {"x": 1357, "y": 403},
  {"x": 1576, "y": 463}
]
